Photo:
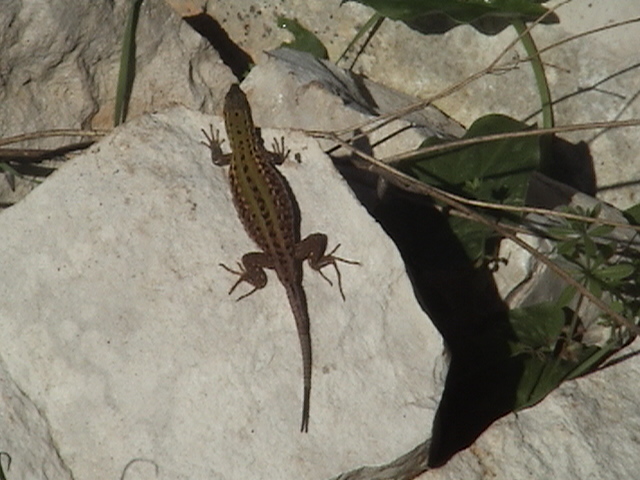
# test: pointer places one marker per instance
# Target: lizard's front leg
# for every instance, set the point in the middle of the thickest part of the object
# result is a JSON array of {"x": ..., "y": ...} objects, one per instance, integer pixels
[
  {"x": 214, "y": 143},
  {"x": 251, "y": 270},
  {"x": 313, "y": 249}
]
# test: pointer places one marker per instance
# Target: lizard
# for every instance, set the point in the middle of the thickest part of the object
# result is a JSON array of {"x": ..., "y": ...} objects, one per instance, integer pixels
[{"x": 269, "y": 213}]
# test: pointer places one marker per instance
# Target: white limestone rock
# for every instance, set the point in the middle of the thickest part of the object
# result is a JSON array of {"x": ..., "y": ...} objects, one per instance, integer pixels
[{"x": 120, "y": 328}]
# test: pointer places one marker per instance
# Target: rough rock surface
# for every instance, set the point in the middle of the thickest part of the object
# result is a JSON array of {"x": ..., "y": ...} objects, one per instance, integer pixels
[
  {"x": 118, "y": 337},
  {"x": 121, "y": 330}
]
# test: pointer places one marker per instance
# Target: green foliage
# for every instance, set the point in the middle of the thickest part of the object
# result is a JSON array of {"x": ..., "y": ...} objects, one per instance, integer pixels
[
  {"x": 549, "y": 351},
  {"x": 543, "y": 339},
  {"x": 10, "y": 175},
  {"x": 496, "y": 172},
  {"x": 544, "y": 372},
  {"x": 550, "y": 345},
  {"x": 536, "y": 328},
  {"x": 126, "y": 73},
  {"x": 632, "y": 214},
  {"x": 430, "y": 16},
  {"x": 370, "y": 26},
  {"x": 304, "y": 40},
  {"x": 463, "y": 11},
  {"x": 603, "y": 264}
]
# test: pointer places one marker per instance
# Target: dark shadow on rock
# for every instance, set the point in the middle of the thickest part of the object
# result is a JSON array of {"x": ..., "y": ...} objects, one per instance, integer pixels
[
  {"x": 480, "y": 388},
  {"x": 573, "y": 165},
  {"x": 464, "y": 305},
  {"x": 231, "y": 54}
]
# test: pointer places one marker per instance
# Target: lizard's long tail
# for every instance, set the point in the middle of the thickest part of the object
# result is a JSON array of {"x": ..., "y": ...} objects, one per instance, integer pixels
[{"x": 298, "y": 302}]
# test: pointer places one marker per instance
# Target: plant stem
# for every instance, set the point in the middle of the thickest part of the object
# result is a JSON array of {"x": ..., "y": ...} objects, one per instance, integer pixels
[
  {"x": 546, "y": 153},
  {"x": 538, "y": 71},
  {"x": 127, "y": 64}
]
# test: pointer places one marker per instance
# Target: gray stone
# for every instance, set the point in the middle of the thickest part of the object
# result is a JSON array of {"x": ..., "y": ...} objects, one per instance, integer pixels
[{"x": 120, "y": 328}]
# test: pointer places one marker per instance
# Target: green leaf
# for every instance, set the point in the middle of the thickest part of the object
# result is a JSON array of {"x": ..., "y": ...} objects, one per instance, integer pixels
[
  {"x": 304, "y": 40},
  {"x": 617, "y": 306},
  {"x": 372, "y": 25},
  {"x": 474, "y": 236},
  {"x": 590, "y": 358},
  {"x": 497, "y": 171},
  {"x": 619, "y": 271},
  {"x": 10, "y": 175},
  {"x": 126, "y": 73},
  {"x": 561, "y": 232},
  {"x": 543, "y": 374},
  {"x": 431, "y": 16},
  {"x": 537, "y": 326},
  {"x": 632, "y": 214},
  {"x": 463, "y": 11},
  {"x": 589, "y": 246},
  {"x": 594, "y": 286},
  {"x": 568, "y": 248},
  {"x": 566, "y": 296},
  {"x": 595, "y": 211},
  {"x": 601, "y": 230},
  {"x": 538, "y": 329}
]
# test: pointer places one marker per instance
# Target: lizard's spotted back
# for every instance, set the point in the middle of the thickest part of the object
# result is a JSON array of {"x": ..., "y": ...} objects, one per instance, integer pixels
[
  {"x": 260, "y": 192},
  {"x": 268, "y": 211}
]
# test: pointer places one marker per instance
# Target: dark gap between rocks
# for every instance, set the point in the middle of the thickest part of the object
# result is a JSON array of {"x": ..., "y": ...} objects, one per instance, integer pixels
[{"x": 233, "y": 56}]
